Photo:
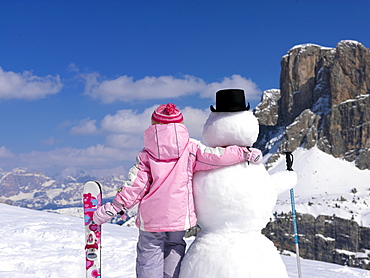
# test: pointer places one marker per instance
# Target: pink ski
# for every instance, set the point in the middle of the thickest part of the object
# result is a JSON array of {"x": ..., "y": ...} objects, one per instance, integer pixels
[{"x": 92, "y": 199}]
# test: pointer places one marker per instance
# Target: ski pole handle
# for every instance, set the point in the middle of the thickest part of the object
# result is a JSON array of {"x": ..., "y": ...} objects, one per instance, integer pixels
[
  {"x": 289, "y": 161},
  {"x": 289, "y": 164}
]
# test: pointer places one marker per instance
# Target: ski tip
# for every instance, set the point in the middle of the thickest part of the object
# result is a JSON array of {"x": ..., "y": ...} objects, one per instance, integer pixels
[
  {"x": 92, "y": 183},
  {"x": 88, "y": 186}
]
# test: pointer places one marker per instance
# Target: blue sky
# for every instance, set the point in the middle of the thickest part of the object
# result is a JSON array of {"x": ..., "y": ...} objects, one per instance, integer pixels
[{"x": 80, "y": 79}]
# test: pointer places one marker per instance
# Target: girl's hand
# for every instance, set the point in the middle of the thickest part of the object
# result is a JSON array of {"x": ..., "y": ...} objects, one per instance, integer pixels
[{"x": 254, "y": 155}]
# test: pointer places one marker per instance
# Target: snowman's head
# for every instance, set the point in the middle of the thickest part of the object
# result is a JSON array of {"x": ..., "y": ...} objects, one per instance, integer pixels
[
  {"x": 231, "y": 128},
  {"x": 230, "y": 123}
]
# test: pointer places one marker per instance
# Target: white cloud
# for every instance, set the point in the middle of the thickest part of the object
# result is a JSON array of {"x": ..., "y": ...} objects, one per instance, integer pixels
[
  {"x": 27, "y": 86},
  {"x": 128, "y": 141},
  {"x": 5, "y": 153},
  {"x": 125, "y": 128},
  {"x": 124, "y": 137},
  {"x": 128, "y": 121},
  {"x": 51, "y": 141},
  {"x": 126, "y": 89},
  {"x": 84, "y": 127},
  {"x": 234, "y": 82},
  {"x": 73, "y": 68},
  {"x": 103, "y": 172},
  {"x": 93, "y": 157},
  {"x": 124, "y": 140},
  {"x": 194, "y": 120}
]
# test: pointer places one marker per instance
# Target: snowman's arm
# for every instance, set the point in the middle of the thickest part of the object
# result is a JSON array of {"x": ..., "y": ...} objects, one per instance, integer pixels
[{"x": 284, "y": 180}]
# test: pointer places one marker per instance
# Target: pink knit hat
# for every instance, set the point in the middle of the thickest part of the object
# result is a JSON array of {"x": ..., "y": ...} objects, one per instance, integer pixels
[{"x": 167, "y": 113}]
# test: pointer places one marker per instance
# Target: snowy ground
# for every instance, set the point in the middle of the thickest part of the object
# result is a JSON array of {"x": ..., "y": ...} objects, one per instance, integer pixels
[
  {"x": 40, "y": 244},
  {"x": 327, "y": 186}
]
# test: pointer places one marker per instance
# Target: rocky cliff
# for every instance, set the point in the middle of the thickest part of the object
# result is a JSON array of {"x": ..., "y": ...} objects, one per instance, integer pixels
[
  {"x": 324, "y": 238},
  {"x": 324, "y": 100}
]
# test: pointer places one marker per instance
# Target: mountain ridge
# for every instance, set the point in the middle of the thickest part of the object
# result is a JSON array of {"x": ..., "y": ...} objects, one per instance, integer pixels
[
  {"x": 33, "y": 189},
  {"x": 323, "y": 100}
]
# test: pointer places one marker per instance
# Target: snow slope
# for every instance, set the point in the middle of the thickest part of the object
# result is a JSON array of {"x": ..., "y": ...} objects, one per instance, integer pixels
[
  {"x": 41, "y": 244},
  {"x": 327, "y": 186}
]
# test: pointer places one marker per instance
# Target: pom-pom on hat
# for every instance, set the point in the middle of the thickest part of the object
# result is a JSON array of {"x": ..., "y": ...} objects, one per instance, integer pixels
[{"x": 167, "y": 113}]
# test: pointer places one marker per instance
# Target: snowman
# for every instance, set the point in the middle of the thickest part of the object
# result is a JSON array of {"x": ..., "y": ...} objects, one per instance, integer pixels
[{"x": 233, "y": 204}]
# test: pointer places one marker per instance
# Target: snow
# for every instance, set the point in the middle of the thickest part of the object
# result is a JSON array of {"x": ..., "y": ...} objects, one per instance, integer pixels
[
  {"x": 303, "y": 47},
  {"x": 221, "y": 128},
  {"x": 349, "y": 42},
  {"x": 272, "y": 96},
  {"x": 325, "y": 238},
  {"x": 22, "y": 195},
  {"x": 357, "y": 98},
  {"x": 327, "y": 186},
  {"x": 40, "y": 244}
]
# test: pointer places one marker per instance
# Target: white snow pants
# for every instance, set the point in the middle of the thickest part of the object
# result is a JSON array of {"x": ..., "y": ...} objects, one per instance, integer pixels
[{"x": 159, "y": 255}]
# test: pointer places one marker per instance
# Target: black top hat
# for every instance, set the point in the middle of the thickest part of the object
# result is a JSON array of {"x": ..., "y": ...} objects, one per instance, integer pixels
[{"x": 230, "y": 100}]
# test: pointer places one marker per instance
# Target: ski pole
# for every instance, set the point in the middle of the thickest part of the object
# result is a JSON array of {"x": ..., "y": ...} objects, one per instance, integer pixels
[{"x": 289, "y": 164}]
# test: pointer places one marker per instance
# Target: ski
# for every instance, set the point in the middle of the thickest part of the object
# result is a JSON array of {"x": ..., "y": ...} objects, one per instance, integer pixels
[{"x": 92, "y": 199}]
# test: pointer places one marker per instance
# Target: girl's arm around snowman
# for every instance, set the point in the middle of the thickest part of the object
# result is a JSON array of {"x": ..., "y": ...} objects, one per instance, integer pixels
[
  {"x": 129, "y": 194},
  {"x": 208, "y": 158}
]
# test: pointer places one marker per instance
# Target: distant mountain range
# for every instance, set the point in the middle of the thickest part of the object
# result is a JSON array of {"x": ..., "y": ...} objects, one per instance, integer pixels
[{"x": 22, "y": 187}]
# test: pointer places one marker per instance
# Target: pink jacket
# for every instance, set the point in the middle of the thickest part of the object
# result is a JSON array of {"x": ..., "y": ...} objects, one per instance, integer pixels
[{"x": 161, "y": 180}]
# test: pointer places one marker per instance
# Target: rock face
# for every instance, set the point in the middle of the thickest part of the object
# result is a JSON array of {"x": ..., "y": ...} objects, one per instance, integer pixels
[
  {"x": 267, "y": 111},
  {"x": 325, "y": 238},
  {"x": 324, "y": 100}
]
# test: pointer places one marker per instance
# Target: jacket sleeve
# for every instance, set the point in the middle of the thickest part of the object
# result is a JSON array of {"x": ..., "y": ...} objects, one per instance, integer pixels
[
  {"x": 139, "y": 180},
  {"x": 208, "y": 158}
]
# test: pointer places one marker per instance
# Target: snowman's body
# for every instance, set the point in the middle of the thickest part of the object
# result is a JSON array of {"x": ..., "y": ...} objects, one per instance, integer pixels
[{"x": 233, "y": 204}]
